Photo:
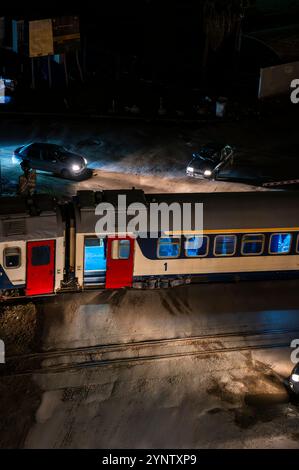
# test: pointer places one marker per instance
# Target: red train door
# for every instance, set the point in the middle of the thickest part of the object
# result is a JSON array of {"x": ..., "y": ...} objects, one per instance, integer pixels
[
  {"x": 40, "y": 267},
  {"x": 120, "y": 259}
]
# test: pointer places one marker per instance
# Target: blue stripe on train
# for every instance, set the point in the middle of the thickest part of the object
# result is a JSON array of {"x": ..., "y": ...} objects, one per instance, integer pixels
[
  {"x": 4, "y": 280},
  {"x": 5, "y": 283}
]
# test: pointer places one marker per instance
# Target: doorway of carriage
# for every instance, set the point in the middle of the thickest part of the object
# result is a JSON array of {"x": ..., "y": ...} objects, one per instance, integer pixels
[
  {"x": 120, "y": 262},
  {"x": 40, "y": 276},
  {"x": 94, "y": 261}
]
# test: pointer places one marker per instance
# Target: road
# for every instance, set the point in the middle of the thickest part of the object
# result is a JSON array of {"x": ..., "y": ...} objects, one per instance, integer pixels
[
  {"x": 154, "y": 157},
  {"x": 103, "y": 179}
]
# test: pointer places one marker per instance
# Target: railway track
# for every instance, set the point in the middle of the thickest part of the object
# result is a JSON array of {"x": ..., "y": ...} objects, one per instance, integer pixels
[{"x": 71, "y": 359}]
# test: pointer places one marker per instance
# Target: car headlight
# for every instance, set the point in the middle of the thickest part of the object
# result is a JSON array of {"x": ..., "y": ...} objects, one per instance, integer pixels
[
  {"x": 207, "y": 172},
  {"x": 295, "y": 377},
  {"x": 75, "y": 167},
  {"x": 85, "y": 161},
  {"x": 190, "y": 169}
]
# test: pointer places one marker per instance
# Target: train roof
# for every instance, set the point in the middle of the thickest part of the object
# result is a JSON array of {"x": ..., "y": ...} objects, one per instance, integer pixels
[
  {"x": 29, "y": 219},
  {"x": 221, "y": 211}
]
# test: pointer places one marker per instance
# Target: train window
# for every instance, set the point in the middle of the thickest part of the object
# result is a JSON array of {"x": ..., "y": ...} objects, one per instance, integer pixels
[
  {"x": 169, "y": 247},
  {"x": 280, "y": 243},
  {"x": 197, "y": 246},
  {"x": 120, "y": 249},
  {"x": 225, "y": 245},
  {"x": 40, "y": 255},
  {"x": 12, "y": 258},
  {"x": 253, "y": 244},
  {"x": 124, "y": 249}
]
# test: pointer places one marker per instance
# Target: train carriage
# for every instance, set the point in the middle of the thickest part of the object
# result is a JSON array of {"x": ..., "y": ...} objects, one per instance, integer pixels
[
  {"x": 31, "y": 246},
  {"x": 245, "y": 236}
]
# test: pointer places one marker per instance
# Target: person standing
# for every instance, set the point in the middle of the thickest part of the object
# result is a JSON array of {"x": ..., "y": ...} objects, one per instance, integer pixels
[{"x": 27, "y": 181}]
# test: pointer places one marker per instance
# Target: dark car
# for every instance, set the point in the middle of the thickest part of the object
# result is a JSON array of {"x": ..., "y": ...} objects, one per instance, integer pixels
[
  {"x": 293, "y": 380},
  {"x": 52, "y": 158},
  {"x": 208, "y": 160}
]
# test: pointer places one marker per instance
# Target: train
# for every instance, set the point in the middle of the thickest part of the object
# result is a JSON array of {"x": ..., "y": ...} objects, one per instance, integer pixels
[{"x": 48, "y": 247}]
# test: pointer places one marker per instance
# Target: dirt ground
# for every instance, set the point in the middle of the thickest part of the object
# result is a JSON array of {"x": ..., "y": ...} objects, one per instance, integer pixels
[
  {"x": 220, "y": 400},
  {"x": 20, "y": 396},
  {"x": 19, "y": 328}
]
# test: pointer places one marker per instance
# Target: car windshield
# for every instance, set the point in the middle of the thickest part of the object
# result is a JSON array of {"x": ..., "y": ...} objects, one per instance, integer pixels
[
  {"x": 57, "y": 148},
  {"x": 209, "y": 153},
  {"x": 24, "y": 149},
  {"x": 63, "y": 156}
]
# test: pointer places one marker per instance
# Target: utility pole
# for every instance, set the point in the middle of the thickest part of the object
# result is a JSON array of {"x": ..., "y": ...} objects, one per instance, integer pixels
[
  {"x": 65, "y": 70},
  {"x": 49, "y": 72},
  {"x": 32, "y": 74}
]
